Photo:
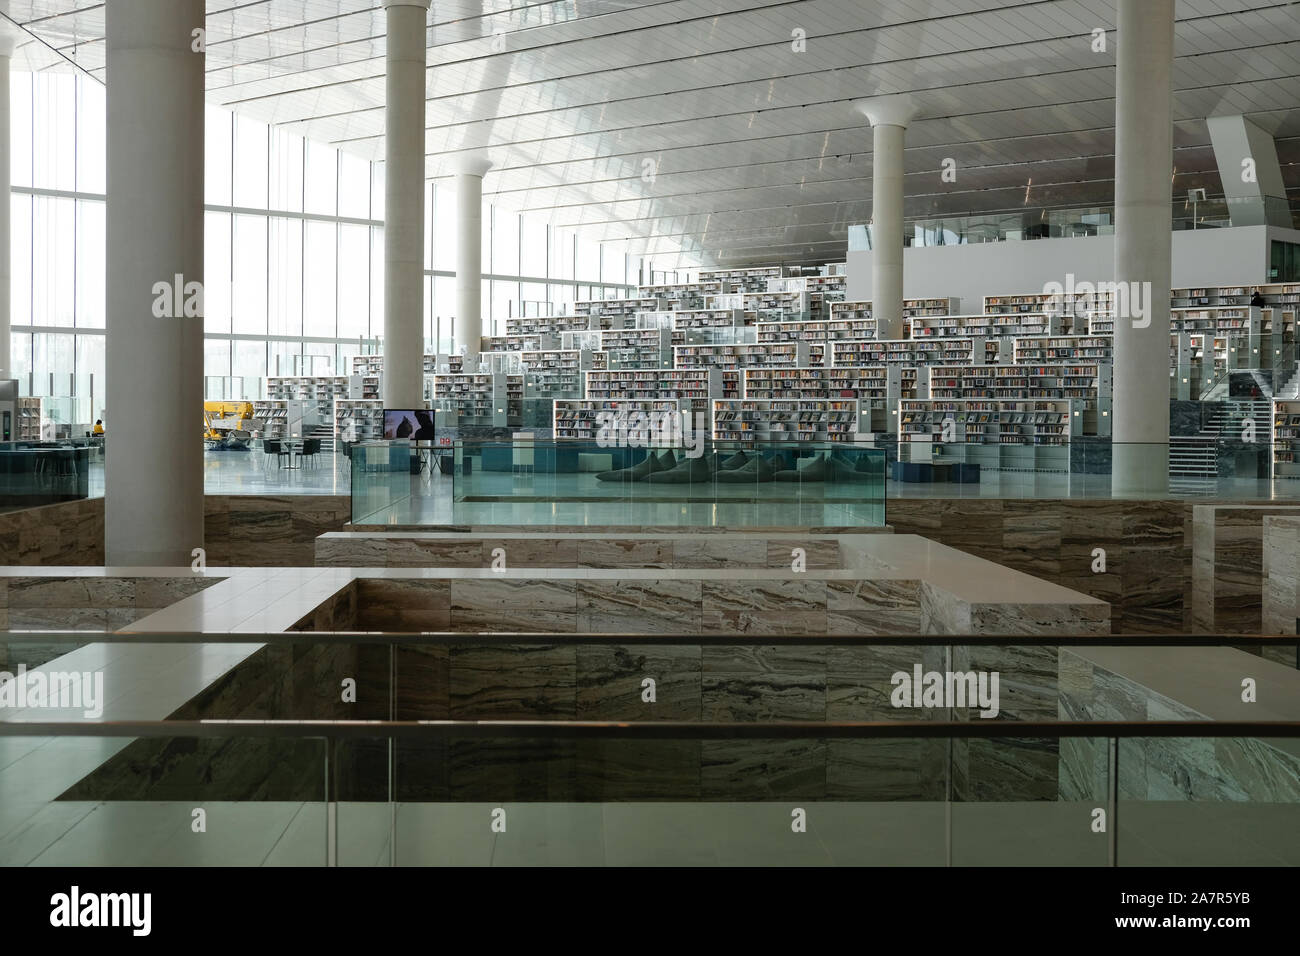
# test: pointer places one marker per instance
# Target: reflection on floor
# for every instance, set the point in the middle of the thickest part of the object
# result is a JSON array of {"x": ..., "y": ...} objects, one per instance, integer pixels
[
  {"x": 253, "y": 473},
  {"x": 654, "y": 834}
]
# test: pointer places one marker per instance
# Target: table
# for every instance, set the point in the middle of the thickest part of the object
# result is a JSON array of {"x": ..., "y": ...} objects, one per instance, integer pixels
[{"x": 293, "y": 447}]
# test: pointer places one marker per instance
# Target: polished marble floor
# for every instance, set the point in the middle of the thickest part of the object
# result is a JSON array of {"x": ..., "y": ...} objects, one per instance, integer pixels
[{"x": 900, "y": 833}]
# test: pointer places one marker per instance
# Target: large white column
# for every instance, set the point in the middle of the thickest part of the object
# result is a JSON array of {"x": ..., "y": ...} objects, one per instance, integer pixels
[
  {"x": 1143, "y": 244},
  {"x": 154, "y": 465},
  {"x": 405, "y": 62},
  {"x": 470, "y": 171},
  {"x": 889, "y": 116},
  {"x": 6, "y": 341}
]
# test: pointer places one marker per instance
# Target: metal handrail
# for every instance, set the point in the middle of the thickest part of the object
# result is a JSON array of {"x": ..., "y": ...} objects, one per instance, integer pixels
[{"x": 646, "y": 730}]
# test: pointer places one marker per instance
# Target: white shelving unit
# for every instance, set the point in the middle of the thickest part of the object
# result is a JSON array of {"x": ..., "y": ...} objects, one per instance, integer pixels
[
  {"x": 636, "y": 348},
  {"x": 549, "y": 325},
  {"x": 1286, "y": 439},
  {"x": 539, "y": 342},
  {"x": 480, "y": 398},
  {"x": 30, "y": 414},
  {"x": 693, "y": 388},
  {"x": 1011, "y": 436},
  {"x": 358, "y": 419},
  {"x": 1089, "y": 387},
  {"x": 578, "y": 418},
  {"x": 751, "y": 421},
  {"x": 1051, "y": 349},
  {"x": 555, "y": 373},
  {"x": 989, "y": 326}
]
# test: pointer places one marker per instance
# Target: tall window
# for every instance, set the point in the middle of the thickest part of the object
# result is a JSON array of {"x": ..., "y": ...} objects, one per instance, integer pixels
[{"x": 293, "y": 250}]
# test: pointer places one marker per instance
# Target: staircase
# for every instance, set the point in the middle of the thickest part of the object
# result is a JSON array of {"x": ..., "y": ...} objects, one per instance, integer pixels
[
  {"x": 326, "y": 435},
  {"x": 1290, "y": 390},
  {"x": 1193, "y": 459}
]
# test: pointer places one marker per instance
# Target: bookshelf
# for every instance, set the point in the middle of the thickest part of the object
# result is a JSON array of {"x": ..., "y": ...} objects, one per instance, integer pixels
[
  {"x": 1003, "y": 435},
  {"x": 682, "y": 295},
  {"x": 1067, "y": 304},
  {"x": 30, "y": 413},
  {"x": 1286, "y": 438},
  {"x": 578, "y": 418},
  {"x": 991, "y": 325},
  {"x": 280, "y": 418},
  {"x": 746, "y": 280},
  {"x": 555, "y": 373},
  {"x": 750, "y": 421},
  {"x": 358, "y": 419},
  {"x": 1063, "y": 348},
  {"x": 550, "y": 325},
  {"x": 1089, "y": 387},
  {"x": 317, "y": 394},
  {"x": 537, "y": 342},
  {"x": 876, "y": 389},
  {"x": 636, "y": 348},
  {"x": 775, "y": 306},
  {"x": 480, "y": 397},
  {"x": 619, "y": 313},
  {"x": 942, "y": 351},
  {"x": 693, "y": 388},
  {"x": 1235, "y": 331}
]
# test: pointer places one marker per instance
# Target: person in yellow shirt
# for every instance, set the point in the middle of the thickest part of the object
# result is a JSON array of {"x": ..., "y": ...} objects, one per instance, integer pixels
[{"x": 99, "y": 426}]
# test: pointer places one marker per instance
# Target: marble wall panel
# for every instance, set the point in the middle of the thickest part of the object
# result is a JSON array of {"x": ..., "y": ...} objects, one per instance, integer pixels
[
  {"x": 1281, "y": 570},
  {"x": 1228, "y": 566}
]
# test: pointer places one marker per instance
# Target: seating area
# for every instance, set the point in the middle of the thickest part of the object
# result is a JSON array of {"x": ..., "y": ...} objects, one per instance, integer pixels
[{"x": 796, "y": 465}]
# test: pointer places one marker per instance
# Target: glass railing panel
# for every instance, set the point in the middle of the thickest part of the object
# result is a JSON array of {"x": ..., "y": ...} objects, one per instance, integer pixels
[
  {"x": 381, "y": 482},
  {"x": 1209, "y": 801},
  {"x": 702, "y": 483},
  {"x": 72, "y": 799}
]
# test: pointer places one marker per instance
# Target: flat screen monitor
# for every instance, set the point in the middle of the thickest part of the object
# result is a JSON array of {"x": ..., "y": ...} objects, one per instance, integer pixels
[{"x": 415, "y": 424}]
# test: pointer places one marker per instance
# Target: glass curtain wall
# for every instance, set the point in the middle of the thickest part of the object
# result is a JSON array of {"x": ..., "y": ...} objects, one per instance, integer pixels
[{"x": 293, "y": 267}]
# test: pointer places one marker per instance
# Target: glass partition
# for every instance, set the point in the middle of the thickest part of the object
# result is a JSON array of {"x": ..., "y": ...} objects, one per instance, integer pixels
[
  {"x": 730, "y": 484},
  {"x": 381, "y": 482}
]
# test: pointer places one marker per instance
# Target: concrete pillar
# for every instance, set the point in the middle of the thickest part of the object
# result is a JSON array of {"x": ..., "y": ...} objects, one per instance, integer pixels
[
  {"x": 469, "y": 255},
  {"x": 153, "y": 511},
  {"x": 405, "y": 64},
  {"x": 1143, "y": 245},
  {"x": 889, "y": 116},
  {"x": 6, "y": 341}
]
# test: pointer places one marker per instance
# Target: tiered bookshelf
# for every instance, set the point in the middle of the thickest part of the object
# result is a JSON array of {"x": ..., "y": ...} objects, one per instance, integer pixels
[
  {"x": 619, "y": 313},
  {"x": 682, "y": 295},
  {"x": 696, "y": 386},
  {"x": 555, "y": 373},
  {"x": 746, "y": 280},
  {"x": 1090, "y": 387},
  {"x": 30, "y": 414},
  {"x": 991, "y": 325},
  {"x": 578, "y": 418},
  {"x": 1042, "y": 302},
  {"x": 480, "y": 397},
  {"x": 1286, "y": 438},
  {"x": 776, "y": 306},
  {"x": 876, "y": 389},
  {"x": 519, "y": 343},
  {"x": 358, "y": 419},
  {"x": 636, "y": 348},
  {"x": 943, "y": 351},
  {"x": 751, "y": 421},
  {"x": 316, "y": 394},
  {"x": 274, "y": 416},
  {"x": 1063, "y": 348},
  {"x": 689, "y": 319},
  {"x": 1014, "y": 436},
  {"x": 549, "y": 325}
]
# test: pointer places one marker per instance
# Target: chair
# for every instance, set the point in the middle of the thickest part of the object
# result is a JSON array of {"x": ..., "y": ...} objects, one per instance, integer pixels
[
  {"x": 310, "y": 449},
  {"x": 276, "y": 449}
]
